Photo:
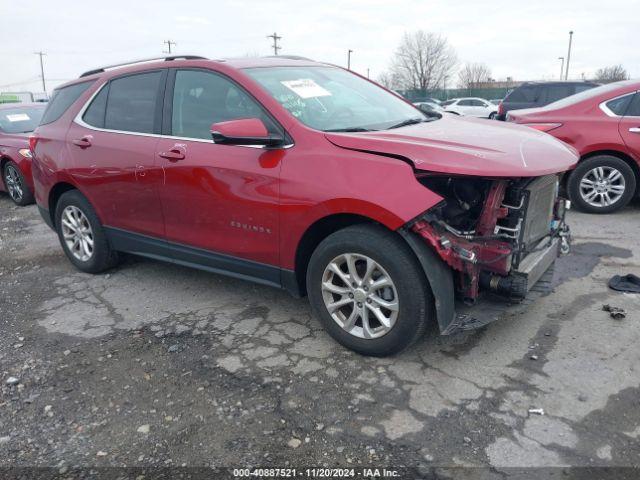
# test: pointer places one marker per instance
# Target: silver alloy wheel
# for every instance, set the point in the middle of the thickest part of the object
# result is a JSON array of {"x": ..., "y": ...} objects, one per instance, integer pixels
[
  {"x": 602, "y": 186},
  {"x": 77, "y": 233},
  {"x": 360, "y": 295},
  {"x": 13, "y": 183}
]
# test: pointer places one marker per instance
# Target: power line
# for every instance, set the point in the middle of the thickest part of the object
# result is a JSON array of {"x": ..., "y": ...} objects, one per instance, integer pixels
[
  {"x": 44, "y": 86},
  {"x": 169, "y": 43},
  {"x": 275, "y": 45}
]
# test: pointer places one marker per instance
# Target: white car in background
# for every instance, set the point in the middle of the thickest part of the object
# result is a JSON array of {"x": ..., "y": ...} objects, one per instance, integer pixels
[{"x": 471, "y": 107}]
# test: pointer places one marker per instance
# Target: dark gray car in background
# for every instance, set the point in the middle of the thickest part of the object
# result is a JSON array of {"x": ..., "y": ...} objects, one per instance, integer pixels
[{"x": 539, "y": 94}]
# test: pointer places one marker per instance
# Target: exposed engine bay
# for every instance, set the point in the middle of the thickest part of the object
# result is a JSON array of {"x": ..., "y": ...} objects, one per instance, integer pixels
[{"x": 499, "y": 235}]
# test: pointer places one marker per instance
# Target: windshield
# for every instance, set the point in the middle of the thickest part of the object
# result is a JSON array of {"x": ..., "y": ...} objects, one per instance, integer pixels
[
  {"x": 332, "y": 99},
  {"x": 587, "y": 94},
  {"x": 20, "y": 119}
]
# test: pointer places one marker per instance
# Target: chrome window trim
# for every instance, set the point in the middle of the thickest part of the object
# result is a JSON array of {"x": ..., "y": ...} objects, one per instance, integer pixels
[
  {"x": 78, "y": 120},
  {"x": 607, "y": 110}
]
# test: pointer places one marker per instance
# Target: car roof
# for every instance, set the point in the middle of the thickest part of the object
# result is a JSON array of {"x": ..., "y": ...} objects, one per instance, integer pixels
[
  {"x": 6, "y": 106},
  {"x": 557, "y": 82}
]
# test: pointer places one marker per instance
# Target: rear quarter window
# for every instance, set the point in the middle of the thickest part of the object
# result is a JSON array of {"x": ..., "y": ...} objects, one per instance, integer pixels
[
  {"x": 61, "y": 100},
  {"x": 620, "y": 105}
]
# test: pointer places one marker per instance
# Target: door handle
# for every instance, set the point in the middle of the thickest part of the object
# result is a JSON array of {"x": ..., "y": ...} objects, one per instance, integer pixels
[
  {"x": 173, "y": 155},
  {"x": 634, "y": 129},
  {"x": 84, "y": 142}
]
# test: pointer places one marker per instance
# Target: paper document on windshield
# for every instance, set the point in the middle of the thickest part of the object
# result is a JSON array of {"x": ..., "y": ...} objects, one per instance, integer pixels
[
  {"x": 306, "y": 88},
  {"x": 18, "y": 117}
]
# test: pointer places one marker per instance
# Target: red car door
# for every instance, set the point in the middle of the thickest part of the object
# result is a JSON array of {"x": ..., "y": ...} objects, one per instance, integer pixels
[
  {"x": 219, "y": 199},
  {"x": 112, "y": 150},
  {"x": 629, "y": 127}
]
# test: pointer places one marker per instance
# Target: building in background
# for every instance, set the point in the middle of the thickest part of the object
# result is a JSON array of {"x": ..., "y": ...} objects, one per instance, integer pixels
[{"x": 22, "y": 97}]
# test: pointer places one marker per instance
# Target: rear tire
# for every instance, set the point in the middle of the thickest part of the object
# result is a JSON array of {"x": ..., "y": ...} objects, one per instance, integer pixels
[
  {"x": 492, "y": 115},
  {"x": 81, "y": 234},
  {"x": 16, "y": 185},
  {"x": 601, "y": 184},
  {"x": 392, "y": 264}
]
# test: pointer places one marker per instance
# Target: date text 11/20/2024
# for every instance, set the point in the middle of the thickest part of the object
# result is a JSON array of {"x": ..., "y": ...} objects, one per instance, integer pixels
[{"x": 316, "y": 473}]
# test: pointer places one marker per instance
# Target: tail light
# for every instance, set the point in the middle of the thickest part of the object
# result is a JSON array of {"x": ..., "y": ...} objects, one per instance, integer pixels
[
  {"x": 25, "y": 152},
  {"x": 543, "y": 127},
  {"x": 33, "y": 141},
  {"x": 500, "y": 109}
]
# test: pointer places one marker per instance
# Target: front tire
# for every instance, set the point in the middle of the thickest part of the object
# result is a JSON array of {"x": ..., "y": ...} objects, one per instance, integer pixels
[
  {"x": 368, "y": 290},
  {"x": 16, "y": 185},
  {"x": 81, "y": 234},
  {"x": 601, "y": 184},
  {"x": 492, "y": 115}
]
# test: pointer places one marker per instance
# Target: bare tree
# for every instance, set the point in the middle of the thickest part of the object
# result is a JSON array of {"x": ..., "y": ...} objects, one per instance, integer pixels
[
  {"x": 388, "y": 80},
  {"x": 473, "y": 74},
  {"x": 423, "y": 60},
  {"x": 614, "y": 73}
]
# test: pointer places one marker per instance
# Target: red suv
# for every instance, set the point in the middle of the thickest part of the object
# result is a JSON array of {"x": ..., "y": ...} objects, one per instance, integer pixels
[
  {"x": 304, "y": 176},
  {"x": 603, "y": 124},
  {"x": 17, "y": 121}
]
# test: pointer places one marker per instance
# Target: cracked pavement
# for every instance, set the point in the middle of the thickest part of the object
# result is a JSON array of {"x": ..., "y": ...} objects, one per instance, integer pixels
[{"x": 154, "y": 365}]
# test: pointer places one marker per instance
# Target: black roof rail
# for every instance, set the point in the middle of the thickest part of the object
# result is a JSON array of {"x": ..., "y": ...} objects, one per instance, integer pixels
[{"x": 143, "y": 60}]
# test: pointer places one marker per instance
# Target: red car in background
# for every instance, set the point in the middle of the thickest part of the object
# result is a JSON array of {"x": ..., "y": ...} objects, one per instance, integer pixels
[
  {"x": 17, "y": 121},
  {"x": 603, "y": 124}
]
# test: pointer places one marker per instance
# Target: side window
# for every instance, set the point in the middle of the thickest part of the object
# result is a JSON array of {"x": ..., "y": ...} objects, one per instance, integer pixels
[
  {"x": 465, "y": 103},
  {"x": 555, "y": 92},
  {"x": 201, "y": 99},
  {"x": 619, "y": 105},
  {"x": 582, "y": 88},
  {"x": 634, "y": 108},
  {"x": 478, "y": 103},
  {"x": 525, "y": 94},
  {"x": 131, "y": 103},
  {"x": 95, "y": 114},
  {"x": 62, "y": 99}
]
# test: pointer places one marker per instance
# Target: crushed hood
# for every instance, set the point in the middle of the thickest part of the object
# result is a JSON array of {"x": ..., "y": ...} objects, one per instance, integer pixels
[{"x": 465, "y": 146}]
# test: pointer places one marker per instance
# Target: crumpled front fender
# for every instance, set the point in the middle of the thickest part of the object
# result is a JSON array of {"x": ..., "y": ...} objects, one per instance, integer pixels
[{"x": 439, "y": 276}]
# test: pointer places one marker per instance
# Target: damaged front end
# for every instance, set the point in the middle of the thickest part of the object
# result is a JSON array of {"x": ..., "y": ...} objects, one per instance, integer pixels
[{"x": 499, "y": 236}]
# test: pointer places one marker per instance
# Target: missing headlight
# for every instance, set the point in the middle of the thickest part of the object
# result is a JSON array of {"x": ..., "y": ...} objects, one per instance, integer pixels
[{"x": 464, "y": 198}]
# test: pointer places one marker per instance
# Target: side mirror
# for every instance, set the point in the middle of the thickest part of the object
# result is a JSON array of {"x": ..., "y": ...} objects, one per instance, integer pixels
[{"x": 245, "y": 131}]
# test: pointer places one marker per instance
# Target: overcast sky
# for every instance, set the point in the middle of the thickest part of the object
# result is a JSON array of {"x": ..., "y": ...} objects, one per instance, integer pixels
[{"x": 514, "y": 38}]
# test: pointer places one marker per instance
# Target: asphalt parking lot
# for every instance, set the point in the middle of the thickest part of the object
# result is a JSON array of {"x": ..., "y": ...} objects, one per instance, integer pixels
[{"x": 156, "y": 365}]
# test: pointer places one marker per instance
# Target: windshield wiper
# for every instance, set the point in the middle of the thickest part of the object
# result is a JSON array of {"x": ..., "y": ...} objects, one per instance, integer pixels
[
  {"x": 407, "y": 122},
  {"x": 351, "y": 129}
]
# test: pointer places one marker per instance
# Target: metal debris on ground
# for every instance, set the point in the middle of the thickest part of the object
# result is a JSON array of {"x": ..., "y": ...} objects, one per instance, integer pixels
[
  {"x": 536, "y": 411},
  {"x": 615, "y": 312}
]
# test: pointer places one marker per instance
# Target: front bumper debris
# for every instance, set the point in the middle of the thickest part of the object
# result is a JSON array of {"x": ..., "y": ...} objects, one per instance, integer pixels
[{"x": 490, "y": 308}]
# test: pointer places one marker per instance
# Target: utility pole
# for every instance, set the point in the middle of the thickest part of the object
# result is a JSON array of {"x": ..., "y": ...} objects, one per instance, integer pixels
[
  {"x": 275, "y": 45},
  {"x": 169, "y": 43},
  {"x": 349, "y": 52},
  {"x": 44, "y": 85},
  {"x": 561, "y": 66},
  {"x": 566, "y": 75},
  {"x": 367, "y": 73}
]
